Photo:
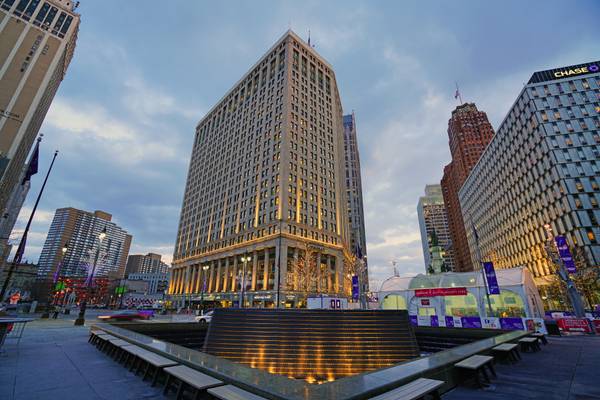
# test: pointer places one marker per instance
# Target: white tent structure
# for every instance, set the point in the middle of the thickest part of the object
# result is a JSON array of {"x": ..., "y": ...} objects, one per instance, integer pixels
[{"x": 518, "y": 296}]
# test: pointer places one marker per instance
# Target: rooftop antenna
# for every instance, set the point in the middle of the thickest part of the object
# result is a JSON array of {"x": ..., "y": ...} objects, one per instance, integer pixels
[
  {"x": 309, "y": 38},
  {"x": 395, "y": 269}
]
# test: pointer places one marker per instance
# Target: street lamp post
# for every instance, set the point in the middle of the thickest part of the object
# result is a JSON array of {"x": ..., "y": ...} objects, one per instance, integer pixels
[
  {"x": 81, "y": 317},
  {"x": 245, "y": 260},
  {"x": 64, "y": 250},
  {"x": 204, "y": 269}
]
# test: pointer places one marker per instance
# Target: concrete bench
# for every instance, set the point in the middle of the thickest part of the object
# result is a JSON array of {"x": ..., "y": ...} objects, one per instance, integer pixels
[
  {"x": 413, "y": 391},
  {"x": 230, "y": 392},
  {"x": 147, "y": 361},
  {"x": 477, "y": 364},
  {"x": 186, "y": 376},
  {"x": 530, "y": 343},
  {"x": 116, "y": 346},
  {"x": 509, "y": 350},
  {"x": 97, "y": 336},
  {"x": 540, "y": 336}
]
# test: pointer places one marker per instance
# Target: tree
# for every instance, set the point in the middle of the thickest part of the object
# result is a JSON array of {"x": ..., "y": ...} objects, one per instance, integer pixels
[
  {"x": 302, "y": 275},
  {"x": 587, "y": 277}
]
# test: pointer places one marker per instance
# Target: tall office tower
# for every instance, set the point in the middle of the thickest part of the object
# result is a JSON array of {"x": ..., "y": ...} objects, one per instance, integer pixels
[
  {"x": 37, "y": 40},
  {"x": 356, "y": 215},
  {"x": 543, "y": 167},
  {"x": 265, "y": 181},
  {"x": 469, "y": 132},
  {"x": 433, "y": 222},
  {"x": 81, "y": 230},
  {"x": 150, "y": 263}
]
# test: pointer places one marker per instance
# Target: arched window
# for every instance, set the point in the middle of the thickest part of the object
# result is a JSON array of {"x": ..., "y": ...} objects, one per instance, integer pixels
[{"x": 461, "y": 306}]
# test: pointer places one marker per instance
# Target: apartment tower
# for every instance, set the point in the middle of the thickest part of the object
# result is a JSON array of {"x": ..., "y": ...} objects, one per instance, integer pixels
[
  {"x": 433, "y": 220},
  {"x": 37, "y": 40},
  {"x": 80, "y": 231},
  {"x": 150, "y": 263},
  {"x": 264, "y": 207},
  {"x": 356, "y": 215},
  {"x": 469, "y": 132},
  {"x": 543, "y": 167}
]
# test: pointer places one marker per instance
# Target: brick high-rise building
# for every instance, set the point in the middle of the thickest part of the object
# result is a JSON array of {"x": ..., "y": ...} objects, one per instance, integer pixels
[
  {"x": 266, "y": 181},
  {"x": 37, "y": 41},
  {"x": 80, "y": 230},
  {"x": 469, "y": 132},
  {"x": 150, "y": 263}
]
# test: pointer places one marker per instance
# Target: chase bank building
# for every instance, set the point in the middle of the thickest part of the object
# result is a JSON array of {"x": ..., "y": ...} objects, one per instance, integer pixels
[{"x": 541, "y": 167}]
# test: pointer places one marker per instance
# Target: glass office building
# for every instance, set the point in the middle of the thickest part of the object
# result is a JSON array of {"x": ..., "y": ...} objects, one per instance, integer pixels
[{"x": 541, "y": 167}]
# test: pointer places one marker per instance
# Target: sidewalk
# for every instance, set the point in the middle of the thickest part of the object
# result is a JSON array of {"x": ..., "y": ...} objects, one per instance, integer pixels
[
  {"x": 568, "y": 368},
  {"x": 54, "y": 361}
]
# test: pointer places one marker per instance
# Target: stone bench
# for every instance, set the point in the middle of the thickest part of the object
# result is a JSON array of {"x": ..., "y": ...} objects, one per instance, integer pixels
[
  {"x": 530, "y": 343},
  {"x": 477, "y": 363},
  {"x": 147, "y": 361},
  {"x": 413, "y": 390},
  {"x": 540, "y": 336},
  {"x": 509, "y": 351},
  {"x": 230, "y": 392},
  {"x": 188, "y": 377}
]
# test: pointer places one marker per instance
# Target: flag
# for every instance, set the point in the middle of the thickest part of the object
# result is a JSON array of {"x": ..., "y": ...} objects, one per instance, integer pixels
[
  {"x": 358, "y": 251},
  {"x": 32, "y": 168},
  {"x": 456, "y": 94}
]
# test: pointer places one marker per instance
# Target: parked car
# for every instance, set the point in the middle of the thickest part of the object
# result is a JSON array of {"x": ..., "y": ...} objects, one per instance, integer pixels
[
  {"x": 204, "y": 319},
  {"x": 125, "y": 315}
]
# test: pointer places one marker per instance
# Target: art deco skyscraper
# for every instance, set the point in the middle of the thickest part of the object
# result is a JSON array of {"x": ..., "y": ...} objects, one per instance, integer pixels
[
  {"x": 37, "y": 40},
  {"x": 265, "y": 181},
  {"x": 356, "y": 215},
  {"x": 469, "y": 132}
]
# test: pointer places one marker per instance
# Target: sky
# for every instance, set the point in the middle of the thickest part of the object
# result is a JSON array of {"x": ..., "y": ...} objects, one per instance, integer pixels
[{"x": 146, "y": 71}]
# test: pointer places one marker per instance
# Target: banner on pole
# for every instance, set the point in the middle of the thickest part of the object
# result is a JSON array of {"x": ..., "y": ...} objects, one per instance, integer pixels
[
  {"x": 565, "y": 254},
  {"x": 355, "y": 288},
  {"x": 490, "y": 277}
]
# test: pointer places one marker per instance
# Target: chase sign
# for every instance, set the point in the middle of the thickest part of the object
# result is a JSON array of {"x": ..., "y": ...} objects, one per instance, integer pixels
[{"x": 565, "y": 72}]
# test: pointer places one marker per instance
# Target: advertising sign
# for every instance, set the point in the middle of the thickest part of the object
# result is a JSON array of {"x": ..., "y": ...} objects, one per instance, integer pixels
[
  {"x": 434, "y": 292},
  {"x": 425, "y": 302},
  {"x": 355, "y": 288},
  {"x": 470, "y": 322},
  {"x": 573, "y": 325},
  {"x": 512, "y": 324},
  {"x": 490, "y": 323},
  {"x": 490, "y": 277},
  {"x": 565, "y": 254},
  {"x": 423, "y": 320},
  {"x": 434, "y": 321},
  {"x": 536, "y": 325},
  {"x": 413, "y": 320}
]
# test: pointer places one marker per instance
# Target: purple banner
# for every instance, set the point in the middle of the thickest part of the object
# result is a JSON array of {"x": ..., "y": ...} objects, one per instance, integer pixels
[
  {"x": 471, "y": 322},
  {"x": 511, "y": 324},
  {"x": 490, "y": 277},
  {"x": 435, "y": 321},
  {"x": 565, "y": 254},
  {"x": 449, "y": 322},
  {"x": 413, "y": 320},
  {"x": 355, "y": 288}
]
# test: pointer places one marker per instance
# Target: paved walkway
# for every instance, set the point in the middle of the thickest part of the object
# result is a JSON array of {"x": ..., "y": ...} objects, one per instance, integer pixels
[
  {"x": 54, "y": 361},
  {"x": 568, "y": 368}
]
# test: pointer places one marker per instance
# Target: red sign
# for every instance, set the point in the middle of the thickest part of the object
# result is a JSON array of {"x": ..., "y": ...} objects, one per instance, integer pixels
[
  {"x": 571, "y": 325},
  {"x": 425, "y": 302},
  {"x": 455, "y": 291}
]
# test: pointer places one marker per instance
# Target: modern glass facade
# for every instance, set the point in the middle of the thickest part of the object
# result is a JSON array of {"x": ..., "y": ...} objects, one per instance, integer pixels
[{"x": 542, "y": 167}]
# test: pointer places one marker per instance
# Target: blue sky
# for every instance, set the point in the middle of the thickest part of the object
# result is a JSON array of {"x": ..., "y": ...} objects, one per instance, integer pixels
[{"x": 145, "y": 72}]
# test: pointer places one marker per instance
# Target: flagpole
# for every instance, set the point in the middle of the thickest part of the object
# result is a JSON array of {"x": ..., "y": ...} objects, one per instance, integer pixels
[
  {"x": 21, "y": 249},
  {"x": 480, "y": 261}
]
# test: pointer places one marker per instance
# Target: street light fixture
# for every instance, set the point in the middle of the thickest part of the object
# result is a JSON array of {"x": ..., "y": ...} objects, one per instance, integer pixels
[
  {"x": 204, "y": 268},
  {"x": 81, "y": 317},
  {"x": 51, "y": 297},
  {"x": 245, "y": 260}
]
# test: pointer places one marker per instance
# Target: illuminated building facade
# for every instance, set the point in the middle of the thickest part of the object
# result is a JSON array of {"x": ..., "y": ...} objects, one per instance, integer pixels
[
  {"x": 469, "y": 132},
  {"x": 265, "y": 181},
  {"x": 542, "y": 167},
  {"x": 80, "y": 230},
  {"x": 150, "y": 263},
  {"x": 434, "y": 219},
  {"x": 37, "y": 41}
]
